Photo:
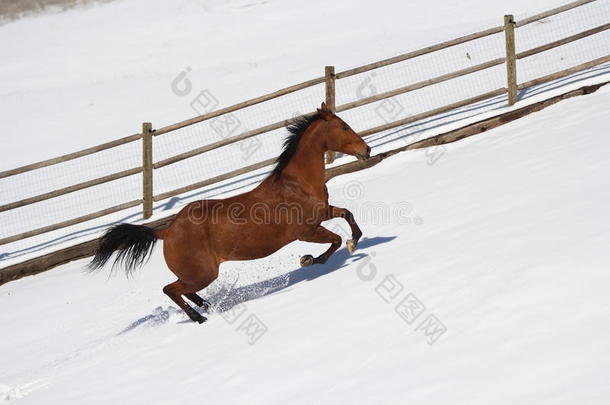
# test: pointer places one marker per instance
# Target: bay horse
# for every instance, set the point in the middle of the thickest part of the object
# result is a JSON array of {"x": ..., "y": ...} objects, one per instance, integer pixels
[{"x": 288, "y": 205}]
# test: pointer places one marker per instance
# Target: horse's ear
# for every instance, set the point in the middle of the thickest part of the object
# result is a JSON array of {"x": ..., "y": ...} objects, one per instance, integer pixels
[{"x": 324, "y": 112}]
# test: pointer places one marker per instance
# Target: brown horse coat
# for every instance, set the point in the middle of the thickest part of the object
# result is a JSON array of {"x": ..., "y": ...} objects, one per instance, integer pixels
[{"x": 288, "y": 205}]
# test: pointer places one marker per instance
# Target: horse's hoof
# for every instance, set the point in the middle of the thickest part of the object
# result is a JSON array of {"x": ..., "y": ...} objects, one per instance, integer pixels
[
  {"x": 306, "y": 260},
  {"x": 351, "y": 246},
  {"x": 196, "y": 316}
]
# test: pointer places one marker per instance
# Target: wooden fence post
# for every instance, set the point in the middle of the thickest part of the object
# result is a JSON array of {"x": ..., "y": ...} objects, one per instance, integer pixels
[
  {"x": 329, "y": 74},
  {"x": 511, "y": 59},
  {"x": 147, "y": 168}
]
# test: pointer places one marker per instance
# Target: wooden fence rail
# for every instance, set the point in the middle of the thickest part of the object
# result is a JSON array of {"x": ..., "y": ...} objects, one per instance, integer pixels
[
  {"x": 221, "y": 143},
  {"x": 70, "y": 222},
  {"x": 434, "y": 112},
  {"x": 330, "y": 81},
  {"x": 420, "y": 52},
  {"x": 70, "y": 156},
  {"x": 564, "y": 41},
  {"x": 564, "y": 73},
  {"x": 240, "y": 106},
  {"x": 552, "y": 12},
  {"x": 70, "y": 189},
  {"x": 214, "y": 180},
  {"x": 420, "y": 85}
]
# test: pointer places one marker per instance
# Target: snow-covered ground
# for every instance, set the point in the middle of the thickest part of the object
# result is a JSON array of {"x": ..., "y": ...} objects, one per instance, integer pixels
[
  {"x": 481, "y": 279},
  {"x": 482, "y": 274},
  {"x": 86, "y": 76},
  {"x": 89, "y": 75}
]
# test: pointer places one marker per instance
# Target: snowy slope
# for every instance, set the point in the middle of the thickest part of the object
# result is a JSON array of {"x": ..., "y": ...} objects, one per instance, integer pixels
[
  {"x": 92, "y": 75},
  {"x": 504, "y": 241},
  {"x": 75, "y": 79}
]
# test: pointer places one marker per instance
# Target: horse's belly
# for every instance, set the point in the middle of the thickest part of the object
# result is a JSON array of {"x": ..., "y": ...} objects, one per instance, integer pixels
[{"x": 246, "y": 243}]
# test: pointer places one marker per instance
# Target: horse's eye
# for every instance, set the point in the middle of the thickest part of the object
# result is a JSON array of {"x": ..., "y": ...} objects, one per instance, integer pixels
[{"x": 345, "y": 127}]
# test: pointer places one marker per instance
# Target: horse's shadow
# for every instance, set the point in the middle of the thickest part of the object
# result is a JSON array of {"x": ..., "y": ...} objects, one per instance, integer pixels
[{"x": 225, "y": 297}]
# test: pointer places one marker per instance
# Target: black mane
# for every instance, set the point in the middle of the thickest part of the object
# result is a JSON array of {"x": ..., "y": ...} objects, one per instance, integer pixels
[{"x": 297, "y": 129}]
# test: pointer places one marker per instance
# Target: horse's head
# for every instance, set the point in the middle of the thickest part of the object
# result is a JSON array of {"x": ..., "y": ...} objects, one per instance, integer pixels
[{"x": 340, "y": 137}]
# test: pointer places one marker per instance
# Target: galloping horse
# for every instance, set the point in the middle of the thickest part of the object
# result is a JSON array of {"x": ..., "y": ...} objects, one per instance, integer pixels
[{"x": 288, "y": 205}]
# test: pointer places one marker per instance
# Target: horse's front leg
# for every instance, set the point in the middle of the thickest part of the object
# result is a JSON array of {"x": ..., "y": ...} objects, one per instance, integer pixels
[
  {"x": 336, "y": 212},
  {"x": 321, "y": 235}
]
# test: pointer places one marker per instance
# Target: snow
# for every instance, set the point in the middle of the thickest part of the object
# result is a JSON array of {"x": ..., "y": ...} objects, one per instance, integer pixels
[
  {"x": 498, "y": 244},
  {"x": 503, "y": 240},
  {"x": 101, "y": 83},
  {"x": 100, "y": 71}
]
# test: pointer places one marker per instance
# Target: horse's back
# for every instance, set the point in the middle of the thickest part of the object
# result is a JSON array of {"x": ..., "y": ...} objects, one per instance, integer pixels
[{"x": 248, "y": 226}]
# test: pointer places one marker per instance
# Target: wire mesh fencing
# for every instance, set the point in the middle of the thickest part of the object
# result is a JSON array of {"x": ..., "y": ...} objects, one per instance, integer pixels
[{"x": 225, "y": 150}]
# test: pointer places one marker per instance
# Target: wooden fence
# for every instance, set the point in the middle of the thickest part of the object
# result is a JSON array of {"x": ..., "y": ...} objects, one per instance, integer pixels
[{"x": 330, "y": 78}]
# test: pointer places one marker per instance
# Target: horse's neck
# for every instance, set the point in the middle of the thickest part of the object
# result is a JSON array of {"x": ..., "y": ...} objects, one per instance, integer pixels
[{"x": 307, "y": 165}]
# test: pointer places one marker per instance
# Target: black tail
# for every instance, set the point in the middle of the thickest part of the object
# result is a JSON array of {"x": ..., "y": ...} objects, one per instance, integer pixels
[{"x": 134, "y": 244}]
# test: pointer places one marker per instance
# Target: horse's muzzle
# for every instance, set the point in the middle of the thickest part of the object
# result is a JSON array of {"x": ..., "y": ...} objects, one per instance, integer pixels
[{"x": 364, "y": 156}]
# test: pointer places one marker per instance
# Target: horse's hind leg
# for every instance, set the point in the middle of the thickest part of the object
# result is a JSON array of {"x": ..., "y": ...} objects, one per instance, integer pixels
[
  {"x": 336, "y": 212},
  {"x": 197, "y": 300},
  {"x": 175, "y": 291},
  {"x": 321, "y": 235}
]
